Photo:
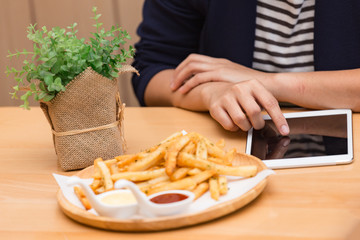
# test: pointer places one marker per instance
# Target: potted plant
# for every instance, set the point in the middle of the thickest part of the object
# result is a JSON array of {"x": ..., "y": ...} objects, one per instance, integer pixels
[{"x": 75, "y": 81}]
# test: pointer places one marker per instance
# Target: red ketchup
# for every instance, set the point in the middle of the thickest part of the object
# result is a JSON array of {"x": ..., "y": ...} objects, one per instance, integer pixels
[{"x": 168, "y": 198}]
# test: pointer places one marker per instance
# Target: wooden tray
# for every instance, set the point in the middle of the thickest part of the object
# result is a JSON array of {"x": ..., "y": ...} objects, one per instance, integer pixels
[{"x": 168, "y": 222}]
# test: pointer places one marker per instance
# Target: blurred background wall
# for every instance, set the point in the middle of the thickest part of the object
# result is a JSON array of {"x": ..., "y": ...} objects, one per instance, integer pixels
[{"x": 17, "y": 15}]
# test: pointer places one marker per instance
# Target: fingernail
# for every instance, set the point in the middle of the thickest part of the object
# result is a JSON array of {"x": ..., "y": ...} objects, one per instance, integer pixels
[
  {"x": 286, "y": 142},
  {"x": 285, "y": 130},
  {"x": 181, "y": 90},
  {"x": 172, "y": 85}
]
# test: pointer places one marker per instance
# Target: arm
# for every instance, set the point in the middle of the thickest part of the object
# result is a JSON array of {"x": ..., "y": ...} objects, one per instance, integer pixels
[
  {"x": 327, "y": 89},
  {"x": 158, "y": 93},
  {"x": 170, "y": 31},
  {"x": 320, "y": 90}
]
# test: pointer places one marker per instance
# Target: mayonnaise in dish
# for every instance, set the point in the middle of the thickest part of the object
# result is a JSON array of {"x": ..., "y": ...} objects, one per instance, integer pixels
[{"x": 119, "y": 198}]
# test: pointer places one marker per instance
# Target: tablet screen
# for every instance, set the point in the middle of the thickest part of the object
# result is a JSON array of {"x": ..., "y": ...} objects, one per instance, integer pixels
[{"x": 309, "y": 137}]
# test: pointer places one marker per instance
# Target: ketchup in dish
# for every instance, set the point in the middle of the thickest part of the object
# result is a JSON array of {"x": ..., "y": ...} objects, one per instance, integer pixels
[{"x": 168, "y": 198}]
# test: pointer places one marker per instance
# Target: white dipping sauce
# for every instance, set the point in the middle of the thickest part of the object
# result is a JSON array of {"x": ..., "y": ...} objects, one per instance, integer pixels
[{"x": 119, "y": 198}]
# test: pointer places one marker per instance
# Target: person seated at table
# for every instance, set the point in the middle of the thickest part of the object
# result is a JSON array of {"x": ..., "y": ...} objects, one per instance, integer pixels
[{"x": 236, "y": 58}]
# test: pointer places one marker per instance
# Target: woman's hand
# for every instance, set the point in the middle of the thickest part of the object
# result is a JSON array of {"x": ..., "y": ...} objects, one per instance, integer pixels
[
  {"x": 239, "y": 105},
  {"x": 269, "y": 143},
  {"x": 197, "y": 69}
]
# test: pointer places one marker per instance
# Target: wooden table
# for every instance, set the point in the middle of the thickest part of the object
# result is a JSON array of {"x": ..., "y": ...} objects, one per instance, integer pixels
[{"x": 304, "y": 203}]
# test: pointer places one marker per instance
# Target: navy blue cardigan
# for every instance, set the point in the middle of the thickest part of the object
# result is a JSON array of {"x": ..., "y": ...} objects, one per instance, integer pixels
[{"x": 172, "y": 29}]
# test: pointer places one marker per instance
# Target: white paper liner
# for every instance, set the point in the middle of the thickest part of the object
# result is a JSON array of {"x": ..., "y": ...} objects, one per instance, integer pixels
[{"x": 237, "y": 187}]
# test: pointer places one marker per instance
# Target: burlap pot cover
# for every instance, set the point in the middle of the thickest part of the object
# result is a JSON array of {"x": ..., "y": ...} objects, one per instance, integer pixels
[{"x": 87, "y": 120}]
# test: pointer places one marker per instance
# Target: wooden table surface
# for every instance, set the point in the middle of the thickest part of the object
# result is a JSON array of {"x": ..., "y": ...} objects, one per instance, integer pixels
[{"x": 303, "y": 203}]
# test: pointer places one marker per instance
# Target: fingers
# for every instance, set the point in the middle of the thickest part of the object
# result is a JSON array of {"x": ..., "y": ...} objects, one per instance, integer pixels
[
  {"x": 271, "y": 106},
  {"x": 196, "y": 80},
  {"x": 252, "y": 110},
  {"x": 221, "y": 116},
  {"x": 189, "y": 75},
  {"x": 279, "y": 149},
  {"x": 240, "y": 106},
  {"x": 192, "y": 65},
  {"x": 229, "y": 113}
]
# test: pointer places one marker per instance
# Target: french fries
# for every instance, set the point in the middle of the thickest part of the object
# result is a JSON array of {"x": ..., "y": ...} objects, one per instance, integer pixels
[
  {"x": 138, "y": 176},
  {"x": 170, "y": 159},
  {"x": 81, "y": 196},
  {"x": 148, "y": 160},
  {"x": 190, "y": 162},
  {"x": 179, "y": 173},
  {"x": 214, "y": 188},
  {"x": 223, "y": 187},
  {"x": 105, "y": 174},
  {"x": 200, "y": 189}
]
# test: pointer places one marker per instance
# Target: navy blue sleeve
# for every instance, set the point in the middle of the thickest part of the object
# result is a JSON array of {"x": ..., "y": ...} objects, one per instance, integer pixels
[{"x": 169, "y": 32}]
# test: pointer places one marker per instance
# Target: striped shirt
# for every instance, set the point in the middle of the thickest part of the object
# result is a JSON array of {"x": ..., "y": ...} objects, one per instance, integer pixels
[{"x": 284, "y": 36}]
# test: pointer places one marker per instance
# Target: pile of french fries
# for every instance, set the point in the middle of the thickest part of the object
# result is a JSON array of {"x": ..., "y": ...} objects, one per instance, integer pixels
[{"x": 183, "y": 162}]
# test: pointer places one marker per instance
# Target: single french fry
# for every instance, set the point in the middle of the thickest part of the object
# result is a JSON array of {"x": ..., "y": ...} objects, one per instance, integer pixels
[
  {"x": 190, "y": 148},
  {"x": 81, "y": 196},
  {"x": 221, "y": 161},
  {"x": 148, "y": 161},
  {"x": 223, "y": 186},
  {"x": 170, "y": 159},
  {"x": 79, "y": 192},
  {"x": 184, "y": 183},
  {"x": 180, "y": 185},
  {"x": 97, "y": 174},
  {"x": 85, "y": 202},
  {"x": 109, "y": 162},
  {"x": 166, "y": 141},
  {"x": 153, "y": 182},
  {"x": 105, "y": 174},
  {"x": 202, "y": 176},
  {"x": 171, "y": 137},
  {"x": 142, "y": 184},
  {"x": 220, "y": 143},
  {"x": 188, "y": 160},
  {"x": 201, "y": 150},
  {"x": 192, "y": 187},
  {"x": 95, "y": 184},
  {"x": 200, "y": 189},
  {"x": 214, "y": 150},
  {"x": 139, "y": 176},
  {"x": 112, "y": 165},
  {"x": 99, "y": 190},
  {"x": 123, "y": 169},
  {"x": 161, "y": 178},
  {"x": 146, "y": 189},
  {"x": 194, "y": 171},
  {"x": 125, "y": 160},
  {"x": 230, "y": 155},
  {"x": 214, "y": 188},
  {"x": 179, "y": 174},
  {"x": 114, "y": 168},
  {"x": 124, "y": 157}
]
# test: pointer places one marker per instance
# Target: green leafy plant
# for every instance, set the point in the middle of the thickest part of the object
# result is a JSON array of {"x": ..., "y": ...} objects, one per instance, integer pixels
[{"x": 58, "y": 56}]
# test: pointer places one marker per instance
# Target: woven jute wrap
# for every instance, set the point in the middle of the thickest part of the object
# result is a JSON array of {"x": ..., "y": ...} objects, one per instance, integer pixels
[{"x": 87, "y": 120}]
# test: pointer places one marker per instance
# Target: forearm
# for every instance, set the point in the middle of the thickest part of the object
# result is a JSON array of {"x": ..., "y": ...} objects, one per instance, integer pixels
[
  {"x": 327, "y": 89},
  {"x": 158, "y": 93}
]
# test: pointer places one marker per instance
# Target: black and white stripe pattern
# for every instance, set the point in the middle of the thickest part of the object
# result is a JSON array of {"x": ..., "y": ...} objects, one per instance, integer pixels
[
  {"x": 284, "y": 36},
  {"x": 303, "y": 145}
]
